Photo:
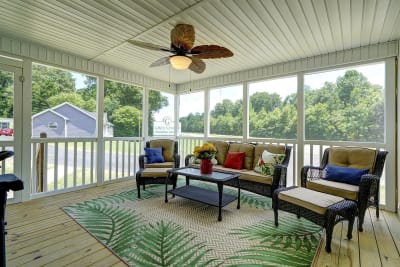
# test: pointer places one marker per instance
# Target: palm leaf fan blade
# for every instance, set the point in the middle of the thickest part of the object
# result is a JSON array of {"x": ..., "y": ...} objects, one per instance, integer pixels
[
  {"x": 160, "y": 62},
  {"x": 150, "y": 46},
  {"x": 210, "y": 51},
  {"x": 197, "y": 65}
]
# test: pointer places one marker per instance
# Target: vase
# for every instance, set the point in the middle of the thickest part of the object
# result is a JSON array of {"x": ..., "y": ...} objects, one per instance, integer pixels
[{"x": 206, "y": 166}]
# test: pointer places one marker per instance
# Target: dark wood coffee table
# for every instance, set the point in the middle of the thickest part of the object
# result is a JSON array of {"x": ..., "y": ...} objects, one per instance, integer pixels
[{"x": 209, "y": 197}]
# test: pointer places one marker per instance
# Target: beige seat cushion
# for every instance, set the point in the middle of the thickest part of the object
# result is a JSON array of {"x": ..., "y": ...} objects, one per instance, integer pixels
[
  {"x": 309, "y": 199},
  {"x": 255, "y": 177},
  {"x": 248, "y": 149},
  {"x": 155, "y": 172},
  {"x": 247, "y": 175},
  {"x": 160, "y": 165},
  {"x": 222, "y": 168},
  {"x": 259, "y": 149},
  {"x": 222, "y": 149},
  {"x": 346, "y": 191},
  {"x": 352, "y": 157},
  {"x": 167, "y": 148}
]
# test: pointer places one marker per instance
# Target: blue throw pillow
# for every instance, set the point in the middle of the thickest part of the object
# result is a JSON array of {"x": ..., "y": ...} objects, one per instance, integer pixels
[
  {"x": 344, "y": 174},
  {"x": 154, "y": 155}
]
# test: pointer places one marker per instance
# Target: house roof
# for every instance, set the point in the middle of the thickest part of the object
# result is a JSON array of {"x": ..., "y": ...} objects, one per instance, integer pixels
[
  {"x": 51, "y": 111},
  {"x": 258, "y": 32},
  {"x": 87, "y": 113}
]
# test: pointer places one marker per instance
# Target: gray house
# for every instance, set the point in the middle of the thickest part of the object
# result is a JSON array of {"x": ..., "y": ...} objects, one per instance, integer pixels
[{"x": 67, "y": 120}]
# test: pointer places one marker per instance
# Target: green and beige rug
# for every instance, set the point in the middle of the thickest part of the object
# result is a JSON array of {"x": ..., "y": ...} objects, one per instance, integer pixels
[{"x": 149, "y": 232}]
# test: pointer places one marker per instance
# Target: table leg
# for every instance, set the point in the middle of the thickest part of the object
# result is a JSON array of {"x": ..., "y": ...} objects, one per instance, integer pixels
[
  {"x": 238, "y": 204},
  {"x": 3, "y": 199},
  {"x": 220, "y": 188},
  {"x": 166, "y": 188}
]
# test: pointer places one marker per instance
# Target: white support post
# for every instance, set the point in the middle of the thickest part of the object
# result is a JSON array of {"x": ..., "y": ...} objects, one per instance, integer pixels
[
  {"x": 206, "y": 113},
  {"x": 176, "y": 116},
  {"x": 145, "y": 117},
  {"x": 25, "y": 139},
  {"x": 300, "y": 127},
  {"x": 245, "y": 111},
  {"x": 390, "y": 135},
  {"x": 100, "y": 134}
]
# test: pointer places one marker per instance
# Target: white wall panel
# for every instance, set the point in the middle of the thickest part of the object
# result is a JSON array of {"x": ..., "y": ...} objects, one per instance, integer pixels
[
  {"x": 40, "y": 54},
  {"x": 355, "y": 55}
]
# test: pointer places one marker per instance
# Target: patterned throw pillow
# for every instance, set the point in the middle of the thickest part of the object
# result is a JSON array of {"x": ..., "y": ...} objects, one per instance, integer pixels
[{"x": 266, "y": 163}]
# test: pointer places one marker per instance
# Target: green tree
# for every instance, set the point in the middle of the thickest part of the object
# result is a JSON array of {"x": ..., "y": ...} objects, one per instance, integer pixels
[
  {"x": 52, "y": 86},
  {"x": 272, "y": 117},
  {"x": 48, "y": 82},
  {"x": 227, "y": 118},
  {"x": 127, "y": 121},
  {"x": 118, "y": 95},
  {"x": 156, "y": 102},
  {"x": 88, "y": 93},
  {"x": 124, "y": 94},
  {"x": 7, "y": 94},
  {"x": 352, "y": 109},
  {"x": 72, "y": 98},
  {"x": 192, "y": 123},
  {"x": 265, "y": 100}
]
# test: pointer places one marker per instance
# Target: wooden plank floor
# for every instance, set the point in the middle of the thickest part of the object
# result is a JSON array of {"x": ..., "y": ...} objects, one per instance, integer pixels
[{"x": 41, "y": 234}]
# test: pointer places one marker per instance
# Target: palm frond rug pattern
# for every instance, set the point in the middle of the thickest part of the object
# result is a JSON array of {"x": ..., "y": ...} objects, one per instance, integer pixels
[{"x": 149, "y": 232}]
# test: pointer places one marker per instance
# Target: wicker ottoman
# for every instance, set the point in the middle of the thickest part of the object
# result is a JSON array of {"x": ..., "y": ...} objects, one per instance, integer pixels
[
  {"x": 323, "y": 209},
  {"x": 153, "y": 176}
]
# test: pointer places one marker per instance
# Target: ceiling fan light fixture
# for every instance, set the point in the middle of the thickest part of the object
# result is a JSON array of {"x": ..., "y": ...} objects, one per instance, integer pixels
[{"x": 180, "y": 62}]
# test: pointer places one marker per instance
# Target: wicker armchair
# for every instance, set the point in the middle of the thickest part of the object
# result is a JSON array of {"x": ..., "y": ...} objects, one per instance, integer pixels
[
  {"x": 155, "y": 173},
  {"x": 366, "y": 193}
]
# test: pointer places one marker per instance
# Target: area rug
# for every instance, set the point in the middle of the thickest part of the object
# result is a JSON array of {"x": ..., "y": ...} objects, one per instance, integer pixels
[{"x": 150, "y": 232}]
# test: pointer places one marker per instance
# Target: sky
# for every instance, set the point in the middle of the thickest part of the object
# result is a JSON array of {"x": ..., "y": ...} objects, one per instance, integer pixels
[{"x": 79, "y": 79}]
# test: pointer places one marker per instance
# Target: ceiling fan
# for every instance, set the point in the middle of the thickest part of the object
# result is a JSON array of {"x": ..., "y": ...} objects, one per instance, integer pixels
[{"x": 184, "y": 54}]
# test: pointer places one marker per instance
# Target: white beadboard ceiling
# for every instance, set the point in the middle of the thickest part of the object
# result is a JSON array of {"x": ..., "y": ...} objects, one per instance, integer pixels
[{"x": 258, "y": 32}]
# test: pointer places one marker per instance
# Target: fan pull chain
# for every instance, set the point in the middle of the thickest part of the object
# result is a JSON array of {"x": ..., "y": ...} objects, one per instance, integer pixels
[
  {"x": 190, "y": 81},
  {"x": 169, "y": 76}
]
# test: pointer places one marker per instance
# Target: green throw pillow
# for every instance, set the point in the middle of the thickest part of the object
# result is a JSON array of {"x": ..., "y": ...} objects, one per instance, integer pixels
[{"x": 267, "y": 162}]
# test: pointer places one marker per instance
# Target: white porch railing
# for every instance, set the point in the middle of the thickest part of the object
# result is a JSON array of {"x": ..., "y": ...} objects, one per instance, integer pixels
[
  {"x": 121, "y": 157},
  {"x": 68, "y": 164},
  {"x": 60, "y": 164},
  {"x": 7, "y": 166}
]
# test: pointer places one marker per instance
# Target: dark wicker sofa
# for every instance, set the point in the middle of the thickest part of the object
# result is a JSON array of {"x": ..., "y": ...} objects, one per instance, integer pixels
[{"x": 249, "y": 179}]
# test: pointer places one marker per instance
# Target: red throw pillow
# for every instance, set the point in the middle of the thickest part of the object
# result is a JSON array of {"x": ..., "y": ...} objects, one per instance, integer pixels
[{"x": 234, "y": 160}]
